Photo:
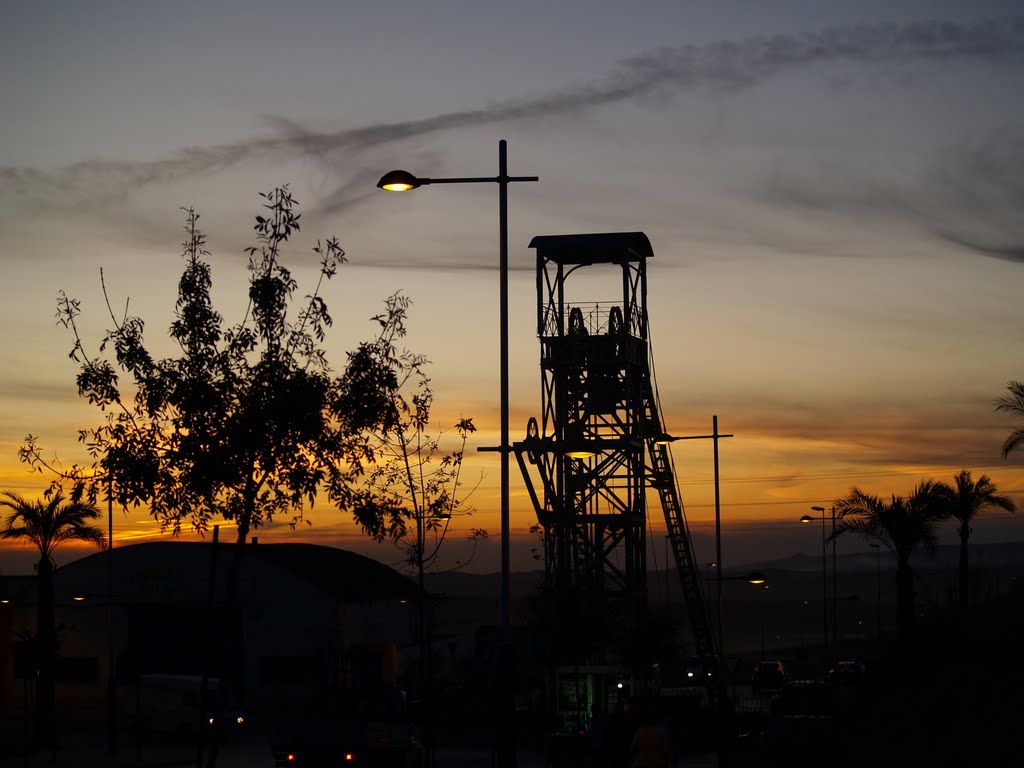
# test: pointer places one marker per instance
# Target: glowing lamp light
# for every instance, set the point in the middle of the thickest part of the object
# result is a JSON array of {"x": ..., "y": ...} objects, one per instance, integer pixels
[
  {"x": 580, "y": 452},
  {"x": 398, "y": 181},
  {"x": 576, "y": 446}
]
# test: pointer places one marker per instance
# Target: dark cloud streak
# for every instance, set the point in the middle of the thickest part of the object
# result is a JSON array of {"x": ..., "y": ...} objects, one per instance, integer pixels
[{"x": 727, "y": 64}]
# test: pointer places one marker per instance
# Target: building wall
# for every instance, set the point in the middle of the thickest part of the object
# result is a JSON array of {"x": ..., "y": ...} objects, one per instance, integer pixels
[{"x": 286, "y": 640}]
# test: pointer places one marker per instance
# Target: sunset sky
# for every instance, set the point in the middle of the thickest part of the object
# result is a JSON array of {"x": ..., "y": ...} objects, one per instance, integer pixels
[{"x": 833, "y": 192}]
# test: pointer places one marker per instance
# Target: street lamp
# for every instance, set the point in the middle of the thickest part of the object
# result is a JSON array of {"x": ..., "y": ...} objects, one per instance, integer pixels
[
  {"x": 721, "y": 687},
  {"x": 878, "y": 588},
  {"x": 764, "y": 586},
  {"x": 403, "y": 181},
  {"x": 754, "y": 577},
  {"x": 824, "y": 570}
]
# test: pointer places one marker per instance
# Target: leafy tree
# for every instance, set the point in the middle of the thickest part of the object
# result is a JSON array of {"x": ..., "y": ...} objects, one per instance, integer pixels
[
  {"x": 47, "y": 525},
  {"x": 246, "y": 422},
  {"x": 1014, "y": 403},
  {"x": 903, "y": 525},
  {"x": 963, "y": 501},
  {"x": 411, "y": 494}
]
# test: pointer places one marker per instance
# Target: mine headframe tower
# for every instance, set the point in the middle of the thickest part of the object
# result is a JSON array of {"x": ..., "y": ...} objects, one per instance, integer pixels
[{"x": 598, "y": 446}]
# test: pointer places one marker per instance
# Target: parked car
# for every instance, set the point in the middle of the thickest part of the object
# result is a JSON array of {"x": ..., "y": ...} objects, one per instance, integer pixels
[
  {"x": 846, "y": 673},
  {"x": 768, "y": 676}
]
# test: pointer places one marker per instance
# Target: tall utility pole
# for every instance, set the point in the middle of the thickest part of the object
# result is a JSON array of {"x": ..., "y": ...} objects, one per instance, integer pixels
[
  {"x": 835, "y": 601},
  {"x": 721, "y": 679},
  {"x": 824, "y": 571}
]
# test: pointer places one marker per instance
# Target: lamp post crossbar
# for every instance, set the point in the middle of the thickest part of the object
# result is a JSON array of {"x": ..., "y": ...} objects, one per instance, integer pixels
[{"x": 477, "y": 180}]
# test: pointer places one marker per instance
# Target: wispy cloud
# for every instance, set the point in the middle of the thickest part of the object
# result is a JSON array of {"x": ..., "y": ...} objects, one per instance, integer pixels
[{"x": 95, "y": 184}]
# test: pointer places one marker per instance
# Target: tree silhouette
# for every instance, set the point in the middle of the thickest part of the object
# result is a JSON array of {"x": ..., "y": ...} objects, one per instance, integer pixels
[
  {"x": 903, "y": 525},
  {"x": 1014, "y": 403},
  {"x": 963, "y": 501},
  {"x": 411, "y": 494},
  {"x": 247, "y": 422},
  {"x": 48, "y": 524}
]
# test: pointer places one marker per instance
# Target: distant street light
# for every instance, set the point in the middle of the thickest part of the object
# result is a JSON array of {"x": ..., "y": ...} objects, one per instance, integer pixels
[
  {"x": 754, "y": 577},
  {"x": 824, "y": 566}
]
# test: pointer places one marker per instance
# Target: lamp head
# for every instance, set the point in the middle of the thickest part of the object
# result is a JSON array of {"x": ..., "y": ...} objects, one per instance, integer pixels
[
  {"x": 398, "y": 181},
  {"x": 579, "y": 449},
  {"x": 817, "y": 509},
  {"x": 576, "y": 445},
  {"x": 756, "y": 578},
  {"x": 806, "y": 519}
]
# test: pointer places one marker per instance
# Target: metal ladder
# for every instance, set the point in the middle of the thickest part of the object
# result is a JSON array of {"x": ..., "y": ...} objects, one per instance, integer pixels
[{"x": 662, "y": 478}]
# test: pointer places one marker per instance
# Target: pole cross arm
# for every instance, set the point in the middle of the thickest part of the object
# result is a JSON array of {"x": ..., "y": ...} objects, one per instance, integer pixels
[{"x": 403, "y": 181}]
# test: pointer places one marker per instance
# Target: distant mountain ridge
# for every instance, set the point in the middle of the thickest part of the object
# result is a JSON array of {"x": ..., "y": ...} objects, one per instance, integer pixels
[
  {"x": 992, "y": 555},
  {"x": 986, "y": 555}
]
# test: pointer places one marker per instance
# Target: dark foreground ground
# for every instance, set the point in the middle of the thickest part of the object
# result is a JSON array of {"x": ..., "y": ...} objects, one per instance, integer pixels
[{"x": 948, "y": 696}]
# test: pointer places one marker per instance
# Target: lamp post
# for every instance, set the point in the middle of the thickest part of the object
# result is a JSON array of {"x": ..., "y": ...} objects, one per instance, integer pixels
[
  {"x": 824, "y": 571},
  {"x": 111, "y": 681},
  {"x": 715, "y": 436},
  {"x": 763, "y": 587},
  {"x": 403, "y": 181},
  {"x": 707, "y": 577},
  {"x": 720, "y": 677},
  {"x": 835, "y": 582},
  {"x": 668, "y": 601},
  {"x": 878, "y": 588}
]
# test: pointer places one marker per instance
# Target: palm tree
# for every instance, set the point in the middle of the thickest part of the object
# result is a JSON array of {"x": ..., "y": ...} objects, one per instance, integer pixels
[
  {"x": 902, "y": 525},
  {"x": 47, "y": 524},
  {"x": 1014, "y": 403},
  {"x": 963, "y": 501}
]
